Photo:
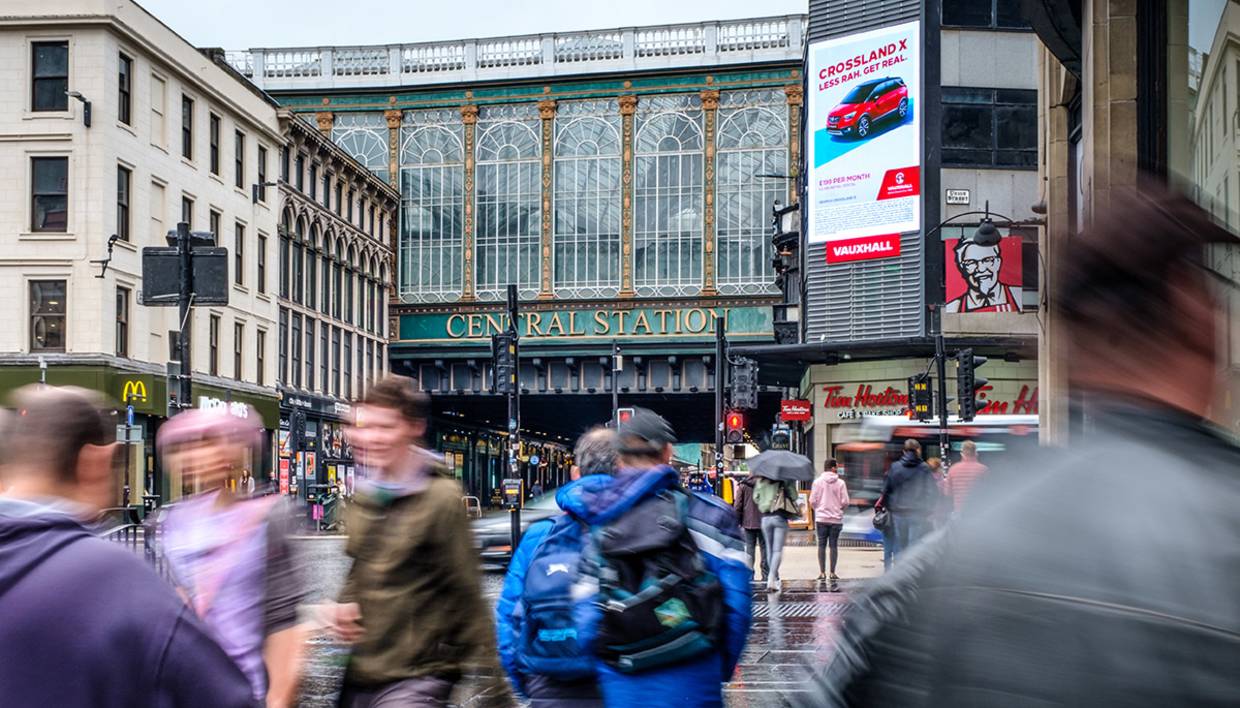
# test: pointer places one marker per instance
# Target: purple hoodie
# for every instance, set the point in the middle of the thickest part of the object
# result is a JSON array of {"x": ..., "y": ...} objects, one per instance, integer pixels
[{"x": 84, "y": 622}]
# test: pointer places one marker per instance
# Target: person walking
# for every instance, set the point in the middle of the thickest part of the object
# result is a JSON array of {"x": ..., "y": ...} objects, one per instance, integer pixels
[
  {"x": 1067, "y": 599},
  {"x": 964, "y": 474},
  {"x": 676, "y": 647},
  {"x": 912, "y": 495},
  {"x": 828, "y": 498},
  {"x": 245, "y": 485},
  {"x": 777, "y": 502},
  {"x": 750, "y": 520},
  {"x": 551, "y": 669},
  {"x": 85, "y": 622},
  {"x": 411, "y": 606},
  {"x": 229, "y": 554}
]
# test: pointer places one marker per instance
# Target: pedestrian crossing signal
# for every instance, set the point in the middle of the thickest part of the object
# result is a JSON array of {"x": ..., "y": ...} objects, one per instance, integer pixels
[
  {"x": 623, "y": 415},
  {"x": 920, "y": 399},
  {"x": 734, "y": 428}
]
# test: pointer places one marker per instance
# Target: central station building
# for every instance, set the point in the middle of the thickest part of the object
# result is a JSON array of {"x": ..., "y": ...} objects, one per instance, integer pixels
[{"x": 623, "y": 180}]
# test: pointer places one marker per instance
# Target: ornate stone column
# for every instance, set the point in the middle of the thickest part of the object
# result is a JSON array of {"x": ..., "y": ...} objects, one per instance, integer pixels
[
  {"x": 795, "y": 96},
  {"x": 628, "y": 106},
  {"x": 469, "y": 116},
  {"x": 710, "y": 108},
  {"x": 546, "y": 111},
  {"x": 393, "y": 117},
  {"x": 325, "y": 120}
]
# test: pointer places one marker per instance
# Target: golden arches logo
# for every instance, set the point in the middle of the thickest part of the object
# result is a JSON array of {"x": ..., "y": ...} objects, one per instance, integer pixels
[{"x": 133, "y": 391}]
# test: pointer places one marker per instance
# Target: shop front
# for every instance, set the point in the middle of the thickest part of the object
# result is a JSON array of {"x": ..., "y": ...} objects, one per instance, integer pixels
[
  {"x": 476, "y": 457},
  {"x": 842, "y": 394},
  {"x": 325, "y": 456}
]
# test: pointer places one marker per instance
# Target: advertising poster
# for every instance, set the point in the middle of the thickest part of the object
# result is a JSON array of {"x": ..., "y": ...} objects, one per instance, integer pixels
[
  {"x": 311, "y": 470},
  {"x": 983, "y": 278},
  {"x": 864, "y": 126},
  {"x": 284, "y": 475},
  {"x": 283, "y": 443}
]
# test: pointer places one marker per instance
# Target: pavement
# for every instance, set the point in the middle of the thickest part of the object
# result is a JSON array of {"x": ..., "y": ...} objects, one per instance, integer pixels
[{"x": 793, "y": 631}]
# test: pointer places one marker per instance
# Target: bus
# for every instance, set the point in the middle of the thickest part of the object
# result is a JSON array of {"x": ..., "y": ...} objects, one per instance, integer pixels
[{"x": 866, "y": 449}]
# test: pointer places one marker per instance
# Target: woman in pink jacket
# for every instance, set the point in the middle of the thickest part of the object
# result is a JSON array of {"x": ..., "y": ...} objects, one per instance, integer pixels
[{"x": 828, "y": 499}]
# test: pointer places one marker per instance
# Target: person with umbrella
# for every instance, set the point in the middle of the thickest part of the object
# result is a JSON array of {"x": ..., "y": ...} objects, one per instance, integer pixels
[{"x": 775, "y": 493}]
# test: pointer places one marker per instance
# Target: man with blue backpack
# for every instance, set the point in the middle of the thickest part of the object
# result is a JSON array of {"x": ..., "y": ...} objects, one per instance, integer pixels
[{"x": 538, "y": 642}]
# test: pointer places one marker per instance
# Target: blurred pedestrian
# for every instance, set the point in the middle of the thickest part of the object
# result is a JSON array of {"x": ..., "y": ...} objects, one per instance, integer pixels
[
  {"x": 230, "y": 554},
  {"x": 828, "y": 498},
  {"x": 750, "y": 520},
  {"x": 245, "y": 485},
  {"x": 912, "y": 495},
  {"x": 411, "y": 605},
  {"x": 776, "y": 499},
  {"x": 964, "y": 474},
  {"x": 552, "y": 668},
  {"x": 536, "y": 490},
  {"x": 1061, "y": 593},
  {"x": 684, "y": 553},
  {"x": 83, "y": 621}
]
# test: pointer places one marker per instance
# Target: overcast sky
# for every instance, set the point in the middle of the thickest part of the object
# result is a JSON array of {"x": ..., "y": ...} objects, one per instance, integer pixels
[{"x": 244, "y": 24}]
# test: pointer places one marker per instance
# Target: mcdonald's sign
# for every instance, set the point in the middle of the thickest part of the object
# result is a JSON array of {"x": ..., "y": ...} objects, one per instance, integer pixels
[{"x": 134, "y": 390}]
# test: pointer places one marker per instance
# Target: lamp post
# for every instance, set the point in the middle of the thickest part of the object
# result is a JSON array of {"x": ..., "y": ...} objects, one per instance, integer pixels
[{"x": 986, "y": 234}]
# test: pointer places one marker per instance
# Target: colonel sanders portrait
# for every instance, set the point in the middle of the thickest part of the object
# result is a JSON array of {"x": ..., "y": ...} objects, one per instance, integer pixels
[{"x": 980, "y": 266}]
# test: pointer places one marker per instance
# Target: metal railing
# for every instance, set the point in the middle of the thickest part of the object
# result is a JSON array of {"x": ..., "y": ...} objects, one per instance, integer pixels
[{"x": 702, "y": 44}]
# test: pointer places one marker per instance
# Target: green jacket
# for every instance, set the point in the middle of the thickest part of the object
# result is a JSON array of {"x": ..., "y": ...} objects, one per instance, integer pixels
[
  {"x": 415, "y": 577},
  {"x": 769, "y": 499}
]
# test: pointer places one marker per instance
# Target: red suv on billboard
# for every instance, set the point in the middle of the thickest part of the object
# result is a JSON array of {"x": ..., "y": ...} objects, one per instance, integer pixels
[{"x": 867, "y": 103}]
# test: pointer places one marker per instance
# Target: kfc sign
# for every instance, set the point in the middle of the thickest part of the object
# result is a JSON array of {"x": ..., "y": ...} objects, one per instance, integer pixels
[
  {"x": 790, "y": 410},
  {"x": 983, "y": 278}
]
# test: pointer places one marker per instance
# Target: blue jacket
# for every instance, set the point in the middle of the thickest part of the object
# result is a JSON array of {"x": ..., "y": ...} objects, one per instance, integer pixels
[
  {"x": 599, "y": 499},
  {"x": 507, "y": 624}
]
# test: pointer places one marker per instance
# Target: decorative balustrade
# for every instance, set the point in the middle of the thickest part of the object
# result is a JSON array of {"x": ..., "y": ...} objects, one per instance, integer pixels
[{"x": 706, "y": 44}]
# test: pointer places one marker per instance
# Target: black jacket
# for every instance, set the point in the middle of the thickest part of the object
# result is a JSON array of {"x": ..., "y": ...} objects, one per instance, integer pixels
[
  {"x": 1101, "y": 575},
  {"x": 910, "y": 487}
]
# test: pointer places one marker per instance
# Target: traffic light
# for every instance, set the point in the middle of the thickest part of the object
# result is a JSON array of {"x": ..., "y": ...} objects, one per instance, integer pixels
[
  {"x": 734, "y": 428},
  {"x": 504, "y": 362},
  {"x": 623, "y": 415},
  {"x": 745, "y": 384},
  {"x": 968, "y": 383},
  {"x": 920, "y": 397}
]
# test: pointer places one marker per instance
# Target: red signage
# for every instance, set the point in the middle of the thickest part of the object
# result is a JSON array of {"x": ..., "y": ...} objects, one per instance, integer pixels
[
  {"x": 864, "y": 248},
  {"x": 866, "y": 396},
  {"x": 794, "y": 409},
  {"x": 903, "y": 182}
]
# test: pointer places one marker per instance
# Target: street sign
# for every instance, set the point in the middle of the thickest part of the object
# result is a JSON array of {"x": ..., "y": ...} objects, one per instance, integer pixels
[
  {"x": 161, "y": 276},
  {"x": 129, "y": 435},
  {"x": 512, "y": 493},
  {"x": 533, "y": 459},
  {"x": 129, "y": 415},
  {"x": 960, "y": 197}
]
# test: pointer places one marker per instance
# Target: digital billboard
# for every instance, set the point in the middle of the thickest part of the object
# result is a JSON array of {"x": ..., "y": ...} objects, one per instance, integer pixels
[{"x": 864, "y": 138}]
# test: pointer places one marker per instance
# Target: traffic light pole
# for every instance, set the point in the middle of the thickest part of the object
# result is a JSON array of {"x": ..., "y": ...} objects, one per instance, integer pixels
[
  {"x": 616, "y": 367},
  {"x": 721, "y": 378},
  {"x": 184, "y": 299},
  {"x": 940, "y": 360},
  {"x": 514, "y": 416}
]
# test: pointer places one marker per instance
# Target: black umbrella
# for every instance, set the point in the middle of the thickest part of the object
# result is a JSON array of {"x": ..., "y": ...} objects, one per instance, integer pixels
[{"x": 782, "y": 465}]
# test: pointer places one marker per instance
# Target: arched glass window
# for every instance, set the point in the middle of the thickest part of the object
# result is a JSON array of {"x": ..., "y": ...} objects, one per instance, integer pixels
[
  {"x": 299, "y": 240},
  {"x": 753, "y": 140},
  {"x": 432, "y": 190},
  {"x": 509, "y": 192},
  {"x": 365, "y": 137},
  {"x": 312, "y": 268},
  {"x": 587, "y": 199},
  {"x": 668, "y": 201},
  {"x": 325, "y": 305}
]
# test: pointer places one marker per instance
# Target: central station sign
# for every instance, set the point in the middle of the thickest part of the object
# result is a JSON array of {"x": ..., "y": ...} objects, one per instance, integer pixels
[{"x": 585, "y": 324}]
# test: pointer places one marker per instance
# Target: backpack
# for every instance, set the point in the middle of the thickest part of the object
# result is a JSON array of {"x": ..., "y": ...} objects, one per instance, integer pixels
[
  {"x": 660, "y": 605},
  {"x": 548, "y": 642}
]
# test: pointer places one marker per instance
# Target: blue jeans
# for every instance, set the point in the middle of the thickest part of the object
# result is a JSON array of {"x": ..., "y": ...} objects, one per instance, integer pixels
[
  {"x": 889, "y": 548},
  {"x": 908, "y": 529}
]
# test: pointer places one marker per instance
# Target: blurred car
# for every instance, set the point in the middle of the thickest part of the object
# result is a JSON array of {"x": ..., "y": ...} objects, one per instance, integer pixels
[
  {"x": 867, "y": 103},
  {"x": 859, "y": 525},
  {"x": 493, "y": 533}
]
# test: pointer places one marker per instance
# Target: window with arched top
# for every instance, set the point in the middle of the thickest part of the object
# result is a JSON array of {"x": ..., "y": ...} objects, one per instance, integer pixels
[
  {"x": 349, "y": 277},
  {"x": 432, "y": 192},
  {"x": 326, "y": 259},
  {"x": 508, "y": 192},
  {"x": 312, "y": 267},
  {"x": 338, "y": 272},
  {"x": 365, "y": 137},
  {"x": 587, "y": 199},
  {"x": 668, "y": 196},
  {"x": 299, "y": 254},
  {"x": 286, "y": 228},
  {"x": 752, "y": 141}
]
